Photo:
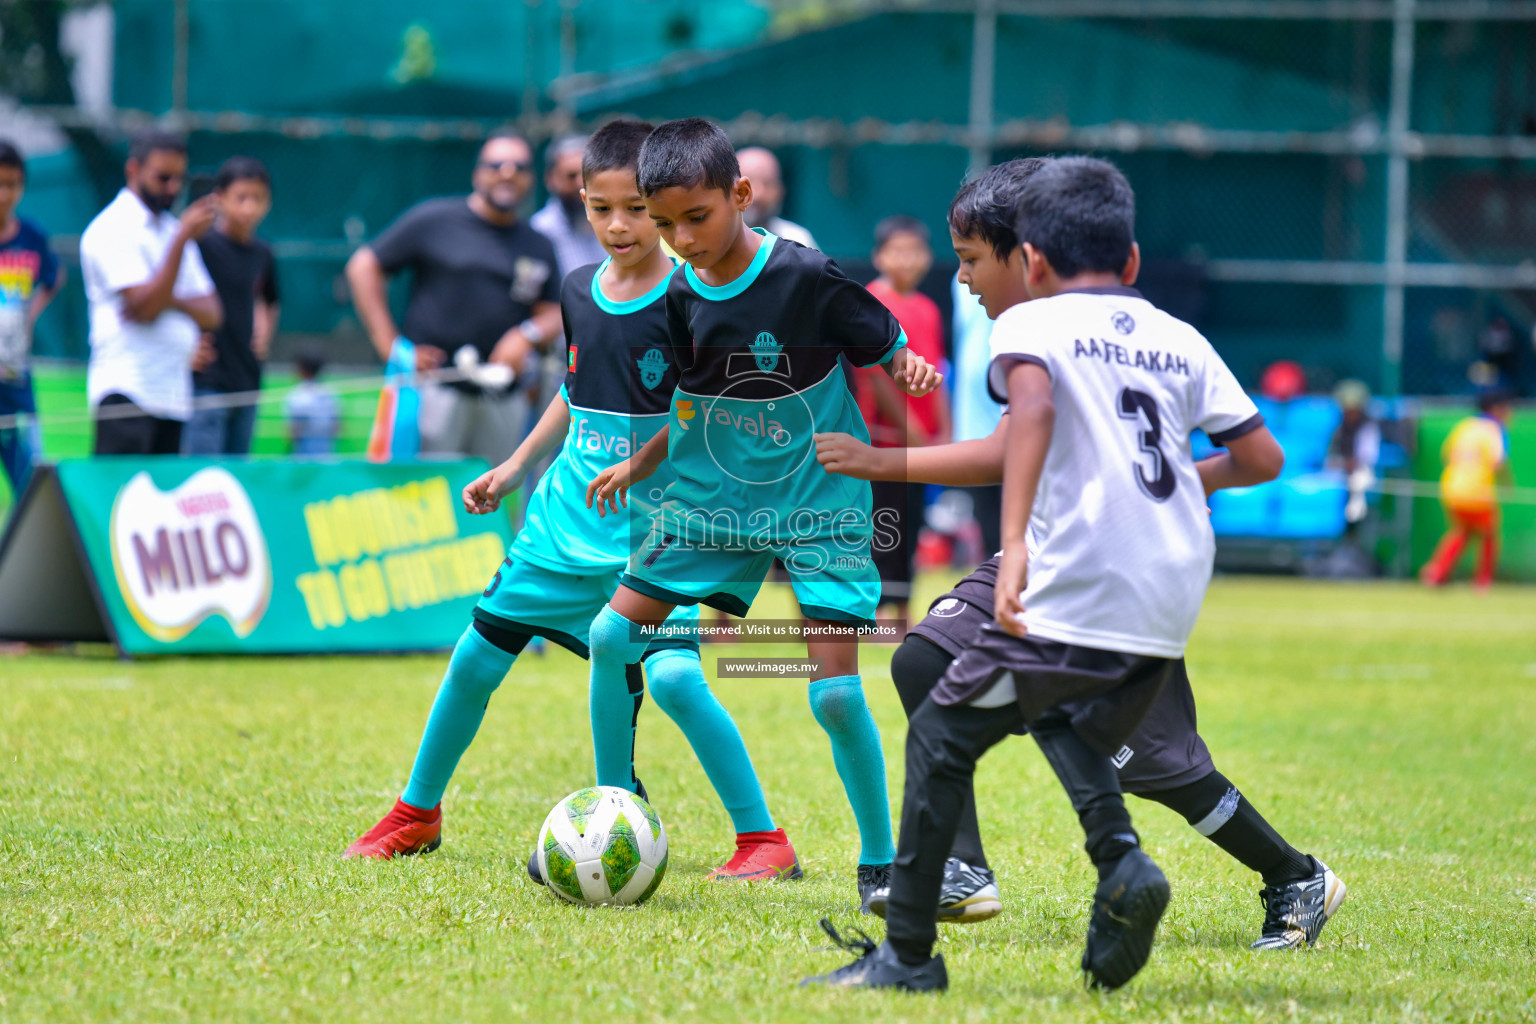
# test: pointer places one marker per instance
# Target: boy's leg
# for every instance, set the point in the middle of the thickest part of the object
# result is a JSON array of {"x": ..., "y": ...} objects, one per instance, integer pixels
[
  {"x": 618, "y": 642},
  {"x": 943, "y": 745},
  {"x": 1488, "y": 555},
  {"x": 1442, "y": 564},
  {"x": 837, "y": 702},
  {"x": 678, "y": 686},
  {"x": 480, "y": 661},
  {"x": 916, "y": 667}
]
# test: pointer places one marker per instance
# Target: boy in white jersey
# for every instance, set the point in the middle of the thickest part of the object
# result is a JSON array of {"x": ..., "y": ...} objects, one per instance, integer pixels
[{"x": 1104, "y": 519}]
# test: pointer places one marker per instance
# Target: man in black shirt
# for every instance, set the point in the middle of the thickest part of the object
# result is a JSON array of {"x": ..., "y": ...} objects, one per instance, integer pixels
[
  {"x": 485, "y": 290},
  {"x": 228, "y": 361}
]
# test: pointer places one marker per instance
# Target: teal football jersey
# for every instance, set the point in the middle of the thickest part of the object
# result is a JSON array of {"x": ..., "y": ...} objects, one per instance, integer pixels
[
  {"x": 761, "y": 364},
  {"x": 620, "y": 374}
]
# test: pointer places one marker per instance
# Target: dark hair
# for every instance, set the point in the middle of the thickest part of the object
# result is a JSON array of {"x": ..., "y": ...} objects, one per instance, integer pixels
[
  {"x": 10, "y": 156},
  {"x": 241, "y": 168},
  {"x": 984, "y": 206},
  {"x": 900, "y": 224},
  {"x": 308, "y": 362},
  {"x": 687, "y": 153},
  {"x": 615, "y": 147},
  {"x": 1491, "y": 398},
  {"x": 155, "y": 140},
  {"x": 1080, "y": 213},
  {"x": 561, "y": 146}
]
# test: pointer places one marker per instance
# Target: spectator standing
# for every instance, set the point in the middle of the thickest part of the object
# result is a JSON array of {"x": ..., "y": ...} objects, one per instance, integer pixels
[
  {"x": 485, "y": 289},
  {"x": 312, "y": 409},
  {"x": 761, "y": 168},
  {"x": 150, "y": 299},
  {"x": 563, "y": 218},
  {"x": 903, "y": 257},
  {"x": 228, "y": 360},
  {"x": 30, "y": 276},
  {"x": 1476, "y": 457},
  {"x": 1355, "y": 447}
]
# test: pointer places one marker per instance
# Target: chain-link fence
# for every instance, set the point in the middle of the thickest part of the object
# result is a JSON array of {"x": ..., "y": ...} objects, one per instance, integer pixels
[{"x": 1347, "y": 184}]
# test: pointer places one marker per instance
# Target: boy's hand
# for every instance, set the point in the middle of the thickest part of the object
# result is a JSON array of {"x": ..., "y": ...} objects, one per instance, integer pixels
[
  {"x": 916, "y": 375},
  {"x": 205, "y": 355},
  {"x": 845, "y": 454},
  {"x": 1008, "y": 593},
  {"x": 484, "y": 493},
  {"x": 610, "y": 489}
]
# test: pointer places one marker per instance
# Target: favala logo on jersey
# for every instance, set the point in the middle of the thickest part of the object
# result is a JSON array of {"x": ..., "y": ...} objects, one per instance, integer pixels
[
  {"x": 195, "y": 551},
  {"x": 653, "y": 367},
  {"x": 766, "y": 350}
]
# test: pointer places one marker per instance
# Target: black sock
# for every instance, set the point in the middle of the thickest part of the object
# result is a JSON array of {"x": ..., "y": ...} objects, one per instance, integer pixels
[
  {"x": 916, "y": 668},
  {"x": 1093, "y": 787},
  {"x": 1218, "y": 811}
]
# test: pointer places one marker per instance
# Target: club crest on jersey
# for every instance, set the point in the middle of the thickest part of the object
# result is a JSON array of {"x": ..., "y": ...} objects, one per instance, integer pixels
[
  {"x": 1123, "y": 323},
  {"x": 766, "y": 350},
  {"x": 653, "y": 367}
]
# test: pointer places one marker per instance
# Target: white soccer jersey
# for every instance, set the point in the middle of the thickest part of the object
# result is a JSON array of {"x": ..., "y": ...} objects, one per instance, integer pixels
[{"x": 1120, "y": 544}]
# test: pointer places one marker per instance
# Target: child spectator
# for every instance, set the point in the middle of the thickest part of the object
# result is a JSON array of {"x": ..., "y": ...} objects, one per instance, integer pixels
[
  {"x": 30, "y": 276},
  {"x": 1475, "y": 457},
  {"x": 314, "y": 414},
  {"x": 228, "y": 360},
  {"x": 903, "y": 256}
]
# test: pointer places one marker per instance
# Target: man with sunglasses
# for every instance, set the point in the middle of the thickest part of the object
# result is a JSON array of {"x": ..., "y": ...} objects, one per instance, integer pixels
[
  {"x": 485, "y": 291},
  {"x": 150, "y": 298}
]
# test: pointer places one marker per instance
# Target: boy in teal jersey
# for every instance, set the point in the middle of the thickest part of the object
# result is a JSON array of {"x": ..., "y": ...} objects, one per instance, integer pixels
[
  {"x": 758, "y": 328},
  {"x": 564, "y": 564}
]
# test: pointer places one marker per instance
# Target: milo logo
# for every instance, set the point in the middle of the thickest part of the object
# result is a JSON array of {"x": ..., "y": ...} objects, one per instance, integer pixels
[
  {"x": 766, "y": 350},
  {"x": 653, "y": 367}
]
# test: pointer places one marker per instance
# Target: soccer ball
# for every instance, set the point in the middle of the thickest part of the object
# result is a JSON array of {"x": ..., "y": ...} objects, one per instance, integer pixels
[{"x": 603, "y": 845}]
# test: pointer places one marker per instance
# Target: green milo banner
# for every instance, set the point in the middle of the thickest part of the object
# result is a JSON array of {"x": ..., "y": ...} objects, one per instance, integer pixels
[{"x": 184, "y": 555}]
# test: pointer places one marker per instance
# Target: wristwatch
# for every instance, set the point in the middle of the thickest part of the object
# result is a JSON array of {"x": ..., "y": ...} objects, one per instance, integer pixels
[{"x": 532, "y": 331}]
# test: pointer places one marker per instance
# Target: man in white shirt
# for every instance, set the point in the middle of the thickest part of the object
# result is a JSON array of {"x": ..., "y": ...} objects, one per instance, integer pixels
[
  {"x": 1107, "y": 552},
  {"x": 150, "y": 298},
  {"x": 761, "y": 168}
]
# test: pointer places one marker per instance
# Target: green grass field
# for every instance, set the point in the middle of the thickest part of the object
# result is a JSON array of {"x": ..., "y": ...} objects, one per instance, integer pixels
[{"x": 171, "y": 832}]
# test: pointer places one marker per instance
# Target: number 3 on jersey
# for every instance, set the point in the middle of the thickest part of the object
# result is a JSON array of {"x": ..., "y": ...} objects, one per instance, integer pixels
[{"x": 1133, "y": 406}]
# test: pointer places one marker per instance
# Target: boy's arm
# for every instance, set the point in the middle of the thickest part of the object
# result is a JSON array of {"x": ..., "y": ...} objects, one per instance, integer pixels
[
  {"x": 43, "y": 296},
  {"x": 610, "y": 488},
  {"x": 1254, "y": 458},
  {"x": 959, "y": 464},
  {"x": 265, "y": 328},
  {"x": 485, "y": 493},
  {"x": 916, "y": 376},
  {"x": 1032, "y": 419}
]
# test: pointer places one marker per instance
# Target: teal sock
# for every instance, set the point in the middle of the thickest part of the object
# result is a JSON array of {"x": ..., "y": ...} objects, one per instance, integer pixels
[
  {"x": 677, "y": 685},
  {"x": 610, "y": 703},
  {"x": 839, "y": 706},
  {"x": 475, "y": 670}
]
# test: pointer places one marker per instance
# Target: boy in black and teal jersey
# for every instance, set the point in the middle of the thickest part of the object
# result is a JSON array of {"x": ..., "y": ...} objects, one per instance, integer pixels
[
  {"x": 564, "y": 564},
  {"x": 758, "y": 327}
]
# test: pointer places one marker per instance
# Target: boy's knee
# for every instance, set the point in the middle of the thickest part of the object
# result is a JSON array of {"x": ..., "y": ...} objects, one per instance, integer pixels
[
  {"x": 674, "y": 678},
  {"x": 612, "y": 635},
  {"x": 838, "y": 703},
  {"x": 477, "y": 666},
  {"x": 916, "y": 668}
]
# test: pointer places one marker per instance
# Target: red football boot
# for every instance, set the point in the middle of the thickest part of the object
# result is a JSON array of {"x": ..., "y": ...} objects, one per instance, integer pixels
[
  {"x": 760, "y": 856},
  {"x": 405, "y": 830}
]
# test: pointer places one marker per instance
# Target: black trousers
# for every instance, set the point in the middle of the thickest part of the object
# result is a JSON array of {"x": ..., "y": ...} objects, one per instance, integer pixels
[
  {"x": 1079, "y": 704},
  {"x": 135, "y": 434}
]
